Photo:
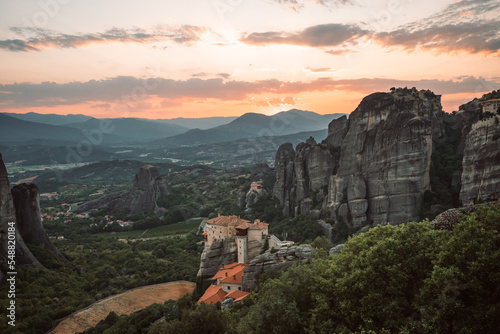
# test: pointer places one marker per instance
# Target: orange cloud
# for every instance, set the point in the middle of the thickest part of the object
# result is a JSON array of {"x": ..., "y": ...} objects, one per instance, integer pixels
[{"x": 129, "y": 91}]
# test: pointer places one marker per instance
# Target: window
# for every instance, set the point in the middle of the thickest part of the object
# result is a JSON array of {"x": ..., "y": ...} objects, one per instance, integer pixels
[{"x": 228, "y": 287}]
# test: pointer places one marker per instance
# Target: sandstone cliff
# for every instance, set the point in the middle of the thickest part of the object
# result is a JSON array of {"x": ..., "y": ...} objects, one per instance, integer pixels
[
  {"x": 274, "y": 261},
  {"x": 29, "y": 223},
  {"x": 8, "y": 215},
  {"x": 219, "y": 253},
  {"x": 373, "y": 167},
  {"x": 481, "y": 162},
  {"x": 147, "y": 188}
]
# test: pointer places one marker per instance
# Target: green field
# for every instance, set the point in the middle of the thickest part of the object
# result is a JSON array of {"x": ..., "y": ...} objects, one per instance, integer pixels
[{"x": 165, "y": 230}]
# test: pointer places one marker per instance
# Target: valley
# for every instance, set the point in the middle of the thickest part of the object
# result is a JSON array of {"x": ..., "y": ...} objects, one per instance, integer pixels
[{"x": 113, "y": 227}]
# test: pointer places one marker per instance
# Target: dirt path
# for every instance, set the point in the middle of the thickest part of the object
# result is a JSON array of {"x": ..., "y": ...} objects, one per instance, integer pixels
[{"x": 125, "y": 303}]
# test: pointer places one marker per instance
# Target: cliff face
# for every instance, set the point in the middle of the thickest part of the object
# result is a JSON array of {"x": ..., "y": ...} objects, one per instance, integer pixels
[
  {"x": 373, "y": 167},
  {"x": 29, "y": 223},
  {"x": 481, "y": 162},
  {"x": 8, "y": 215},
  {"x": 147, "y": 188},
  {"x": 275, "y": 261},
  {"x": 219, "y": 253}
]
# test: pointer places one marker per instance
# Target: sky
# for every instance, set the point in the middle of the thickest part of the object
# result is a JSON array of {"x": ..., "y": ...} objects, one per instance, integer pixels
[{"x": 201, "y": 58}]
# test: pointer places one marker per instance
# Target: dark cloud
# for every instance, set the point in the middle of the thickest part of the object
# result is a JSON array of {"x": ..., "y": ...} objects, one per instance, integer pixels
[
  {"x": 224, "y": 75},
  {"x": 323, "y": 35},
  {"x": 129, "y": 89},
  {"x": 471, "y": 37},
  {"x": 465, "y": 26},
  {"x": 199, "y": 75},
  {"x": 39, "y": 39}
]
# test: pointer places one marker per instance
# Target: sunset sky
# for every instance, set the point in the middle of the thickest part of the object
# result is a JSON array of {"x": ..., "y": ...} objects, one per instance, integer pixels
[{"x": 200, "y": 58}]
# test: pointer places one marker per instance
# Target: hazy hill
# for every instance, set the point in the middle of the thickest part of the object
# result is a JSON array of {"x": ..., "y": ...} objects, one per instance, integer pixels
[
  {"x": 13, "y": 130},
  {"x": 253, "y": 125},
  {"x": 132, "y": 129},
  {"x": 53, "y": 119},
  {"x": 198, "y": 123}
]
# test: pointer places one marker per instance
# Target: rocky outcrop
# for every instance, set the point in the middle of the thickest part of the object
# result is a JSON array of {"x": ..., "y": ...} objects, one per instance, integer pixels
[
  {"x": 481, "y": 162},
  {"x": 284, "y": 169},
  {"x": 336, "y": 249},
  {"x": 327, "y": 229},
  {"x": 274, "y": 261},
  {"x": 373, "y": 167},
  {"x": 29, "y": 222},
  {"x": 253, "y": 195},
  {"x": 147, "y": 188},
  {"x": 8, "y": 215},
  {"x": 260, "y": 171},
  {"x": 450, "y": 218},
  {"x": 221, "y": 252}
]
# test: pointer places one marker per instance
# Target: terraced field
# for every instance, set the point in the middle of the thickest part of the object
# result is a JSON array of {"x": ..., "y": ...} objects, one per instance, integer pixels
[{"x": 123, "y": 303}]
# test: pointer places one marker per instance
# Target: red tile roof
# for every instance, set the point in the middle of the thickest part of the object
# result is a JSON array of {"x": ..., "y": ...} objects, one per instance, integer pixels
[
  {"x": 230, "y": 270},
  {"x": 234, "y": 276},
  {"x": 237, "y": 222},
  {"x": 231, "y": 273},
  {"x": 237, "y": 295},
  {"x": 213, "y": 295},
  {"x": 227, "y": 220}
]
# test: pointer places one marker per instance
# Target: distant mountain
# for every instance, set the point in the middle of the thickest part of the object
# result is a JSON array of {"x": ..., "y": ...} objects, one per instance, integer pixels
[
  {"x": 132, "y": 129},
  {"x": 198, "y": 123},
  {"x": 52, "y": 119},
  {"x": 253, "y": 125},
  {"x": 13, "y": 131}
]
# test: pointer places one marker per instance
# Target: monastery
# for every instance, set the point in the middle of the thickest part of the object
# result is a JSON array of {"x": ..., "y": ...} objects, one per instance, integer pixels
[{"x": 227, "y": 282}]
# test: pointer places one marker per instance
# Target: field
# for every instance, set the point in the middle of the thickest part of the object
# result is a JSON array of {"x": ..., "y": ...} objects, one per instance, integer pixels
[
  {"x": 123, "y": 303},
  {"x": 183, "y": 227}
]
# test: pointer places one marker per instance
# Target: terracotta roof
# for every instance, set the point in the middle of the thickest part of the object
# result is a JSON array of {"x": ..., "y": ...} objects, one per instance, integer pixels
[
  {"x": 204, "y": 233},
  {"x": 230, "y": 269},
  {"x": 252, "y": 226},
  {"x": 492, "y": 100},
  {"x": 234, "y": 276},
  {"x": 213, "y": 295},
  {"x": 255, "y": 185},
  {"x": 237, "y": 295},
  {"x": 226, "y": 220}
]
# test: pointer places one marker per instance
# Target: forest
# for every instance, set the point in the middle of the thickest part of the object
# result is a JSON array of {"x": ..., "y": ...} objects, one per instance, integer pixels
[{"x": 409, "y": 278}]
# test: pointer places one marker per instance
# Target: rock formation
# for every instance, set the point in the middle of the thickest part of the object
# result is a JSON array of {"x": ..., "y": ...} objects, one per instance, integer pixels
[
  {"x": 274, "y": 261},
  {"x": 219, "y": 253},
  {"x": 373, "y": 167},
  {"x": 29, "y": 222},
  {"x": 8, "y": 215},
  {"x": 147, "y": 188},
  {"x": 448, "y": 219},
  {"x": 481, "y": 162},
  {"x": 223, "y": 252}
]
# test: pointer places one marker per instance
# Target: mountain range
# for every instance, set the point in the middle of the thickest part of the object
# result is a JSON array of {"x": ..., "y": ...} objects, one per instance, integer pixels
[
  {"x": 59, "y": 130},
  {"x": 252, "y": 125}
]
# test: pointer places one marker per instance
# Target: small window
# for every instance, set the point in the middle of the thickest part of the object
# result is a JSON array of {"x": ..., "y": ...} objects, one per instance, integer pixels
[
  {"x": 229, "y": 288},
  {"x": 239, "y": 288}
]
